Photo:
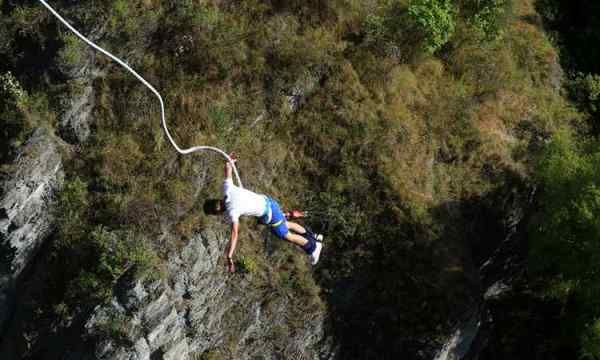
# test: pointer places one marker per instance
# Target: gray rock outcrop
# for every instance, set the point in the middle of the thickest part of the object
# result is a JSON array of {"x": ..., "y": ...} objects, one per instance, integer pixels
[
  {"x": 76, "y": 118},
  {"x": 303, "y": 88},
  {"x": 25, "y": 211},
  {"x": 200, "y": 310}
]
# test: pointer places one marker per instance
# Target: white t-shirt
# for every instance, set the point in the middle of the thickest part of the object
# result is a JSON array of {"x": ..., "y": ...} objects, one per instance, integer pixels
[{"x": 239, "y": 201}]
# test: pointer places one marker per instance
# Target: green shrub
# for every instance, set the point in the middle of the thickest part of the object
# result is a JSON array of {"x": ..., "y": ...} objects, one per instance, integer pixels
[
  {"x": 207, "y": 16},
  {"x": 122, "y": 17},
  {"x": 116, "y": 328},
  {"x": 247, "y": 264},
  {"x": 565, "y": 242},
  {"x": 73, "y": 203},
  {"x": 590, "y": 341},
  {"x": 27, "y": 20},
  {"x": 13, "y": 105},
  {"x": 10, "y": 87},
  {"x": 109, "y": 255},
  {"x": 73, "y": 51},
  {"x": 487, "y": 20},
  {"x": 436, "y": 19},
  {"x": 585, "y": 89}
]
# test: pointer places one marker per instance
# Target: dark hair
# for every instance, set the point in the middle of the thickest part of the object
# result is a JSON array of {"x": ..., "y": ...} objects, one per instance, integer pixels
[{"x": 213, "y": 207}]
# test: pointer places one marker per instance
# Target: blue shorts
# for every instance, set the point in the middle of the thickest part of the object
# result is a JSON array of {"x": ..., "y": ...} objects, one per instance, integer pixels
[{"x": 278, "y": 223}]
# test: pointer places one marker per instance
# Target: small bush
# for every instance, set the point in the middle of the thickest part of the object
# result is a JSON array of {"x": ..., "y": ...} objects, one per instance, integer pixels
[
  {"x": 13, "y": 116},
  {"x": 109, "y": 254},
  {"x": 73, "y": 203},
  {"x": 27, "y": 20},
  {"x": 10, "y": 86},
  {"x": 590, "y": 341},
  {"x": 436, "y": 19},
  {"x": 585, "y": 89},
  {"x": 115, "y": 327},
  {"x": 247, "y": 264},
  {"x": 73, "y": 51},
  {"x": 487, "y": 20}
]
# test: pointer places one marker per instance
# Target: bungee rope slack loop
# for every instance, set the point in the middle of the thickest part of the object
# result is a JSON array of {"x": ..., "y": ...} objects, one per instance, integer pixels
[{"x": 147, "y": 84}]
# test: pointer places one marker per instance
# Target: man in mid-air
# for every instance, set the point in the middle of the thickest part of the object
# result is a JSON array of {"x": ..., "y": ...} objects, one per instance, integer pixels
[{"x": 238, "y": 202}]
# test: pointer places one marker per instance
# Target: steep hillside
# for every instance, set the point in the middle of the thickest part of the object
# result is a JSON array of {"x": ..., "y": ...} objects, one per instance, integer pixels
[{"x": 409, "y": 129}]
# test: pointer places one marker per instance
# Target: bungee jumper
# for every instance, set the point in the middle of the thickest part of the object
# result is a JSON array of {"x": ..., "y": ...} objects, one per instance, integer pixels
[{"x": 238, "y": 202}]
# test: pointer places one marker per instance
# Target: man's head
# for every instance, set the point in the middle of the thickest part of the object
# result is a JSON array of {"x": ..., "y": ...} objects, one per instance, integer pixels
[{"x": 214, "y": 207}]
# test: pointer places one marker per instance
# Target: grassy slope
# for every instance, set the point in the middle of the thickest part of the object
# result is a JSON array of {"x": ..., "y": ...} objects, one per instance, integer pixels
[{"x": 387, "y": 145}]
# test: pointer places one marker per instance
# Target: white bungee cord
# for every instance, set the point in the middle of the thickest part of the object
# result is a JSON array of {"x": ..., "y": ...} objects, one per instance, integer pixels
[{"x": 140, "y": 78}]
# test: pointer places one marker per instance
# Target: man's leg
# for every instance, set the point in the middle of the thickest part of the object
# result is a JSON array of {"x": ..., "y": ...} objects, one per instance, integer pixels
[
  {"x": 296, "y": 239},
  {"x": 305, "y": 239},
  {"x": 307, "y": 242},
  {"x": 297, "y": 228}
]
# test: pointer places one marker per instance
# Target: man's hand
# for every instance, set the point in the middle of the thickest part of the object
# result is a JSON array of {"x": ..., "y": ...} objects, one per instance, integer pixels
[
  {"x": 229, "y": 264},
  {"x": 294, "y": 214},
  {"x": 228, "y": 168},
  {"x": 233, "y": 157}
]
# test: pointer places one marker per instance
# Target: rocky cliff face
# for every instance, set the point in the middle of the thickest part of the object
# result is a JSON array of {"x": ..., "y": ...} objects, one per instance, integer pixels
[
  {"x": 36, "y": 176},
  {"x": 502, "y": 276},
  {"x": 201, "y": 311},
  {"x": 26, "y": 217}
]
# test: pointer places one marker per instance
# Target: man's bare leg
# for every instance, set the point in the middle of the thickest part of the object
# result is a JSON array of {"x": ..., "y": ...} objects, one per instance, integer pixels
[
  {"x": 296, "y": 239},
  {"x": 297, "y": 228},
  {"x": 311, "y": 247}
]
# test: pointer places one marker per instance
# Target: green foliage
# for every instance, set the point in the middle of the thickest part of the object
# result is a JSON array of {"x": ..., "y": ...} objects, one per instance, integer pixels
[
  {"x": 12, "y": 113},
  {"x": 590, "y": 341},
  {"x": 115, "y": 328},
  {"x": 374, "y": 27},
  {"x": 207, "y": 16},
  {"x": 73, "y": 206},
  {"x": 566, "y": 234},
  {"x": 98, "y": 256},
  {"x": 585, "y": 89},
  {"x": 72, "y": 52},
  {"x": 10, "y": 87},
  {"x": 569, "y": 231},
  {"x": 436, "y": 19},
  {"x": 110, "y": 255},
  {"x": 247, "y": 264},
  {"x": 488, "y": 17},
  {"x": 28, "y": 19},
  {"x": 123, "y": 17}
]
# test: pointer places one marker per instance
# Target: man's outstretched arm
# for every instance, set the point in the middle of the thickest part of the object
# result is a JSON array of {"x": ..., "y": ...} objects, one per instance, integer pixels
[
  {"x": 230, "y": 250},
  {"x": 228, "y": 168}
]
